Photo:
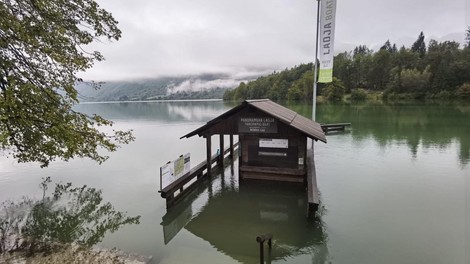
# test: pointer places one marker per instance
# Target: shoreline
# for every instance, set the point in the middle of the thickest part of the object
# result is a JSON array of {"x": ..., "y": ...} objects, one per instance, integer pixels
[{"x": 77, "y": 254}]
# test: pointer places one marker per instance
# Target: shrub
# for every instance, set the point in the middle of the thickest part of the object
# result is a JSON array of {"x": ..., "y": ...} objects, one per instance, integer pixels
[
  {"x": 358, "y": 95},
  {"x": 463, "y": 92},
  {"x": 334, "y": 91}
]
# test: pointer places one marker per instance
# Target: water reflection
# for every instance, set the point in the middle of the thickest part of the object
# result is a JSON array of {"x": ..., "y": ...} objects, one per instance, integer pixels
[
  {"x": 426, "y": 125},
  {"x": 167, "y": 111},
  {"x": 234, "y": 214},
  {"x": 417, "y": 125},
  {"x": 69, "y": 215}
]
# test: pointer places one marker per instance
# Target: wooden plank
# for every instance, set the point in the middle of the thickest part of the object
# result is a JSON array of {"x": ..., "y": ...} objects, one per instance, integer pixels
[
  {"x": 272, "y": 177},
  {"x": 286, "y": 171},
  {"x": 335, "y": 127},
  {"x": 337, "y": 124}
]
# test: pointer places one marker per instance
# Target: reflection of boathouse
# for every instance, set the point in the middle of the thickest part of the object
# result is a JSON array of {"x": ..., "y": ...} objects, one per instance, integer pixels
[
  {"x": 273, "y": 139},
  {"x": 234, "y": 214},
  {"x": 257, "y": 209}
]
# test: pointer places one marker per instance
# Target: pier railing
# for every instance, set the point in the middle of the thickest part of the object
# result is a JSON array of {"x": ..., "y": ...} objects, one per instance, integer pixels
[{"x": 199, "y": 172}]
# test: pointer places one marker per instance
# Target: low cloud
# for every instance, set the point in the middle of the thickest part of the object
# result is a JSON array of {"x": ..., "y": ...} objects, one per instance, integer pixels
[
  {"x": 186, "y": 37},
  {"x": 196, "y": 85}
]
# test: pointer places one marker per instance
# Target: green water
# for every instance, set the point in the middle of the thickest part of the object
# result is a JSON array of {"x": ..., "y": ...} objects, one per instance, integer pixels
[{"x": 394, "y": 189}]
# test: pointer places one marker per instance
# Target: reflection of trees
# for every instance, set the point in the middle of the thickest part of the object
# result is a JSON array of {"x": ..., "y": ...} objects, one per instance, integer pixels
[
  {"x": 71, "y": 215},
  {"x": 179, "y": 111},
  {"x": 428, "y": 125}
]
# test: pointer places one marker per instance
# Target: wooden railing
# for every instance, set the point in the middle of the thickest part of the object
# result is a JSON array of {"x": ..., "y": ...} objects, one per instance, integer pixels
[{"x": 199, "y": 172}]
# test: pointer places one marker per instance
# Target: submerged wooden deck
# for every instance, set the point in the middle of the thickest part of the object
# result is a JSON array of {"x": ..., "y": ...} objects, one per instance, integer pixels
[
  {"x": 177, "y": 190},
  {"x": 335, "y": 127},
  {"x": 184, "y": 184}
]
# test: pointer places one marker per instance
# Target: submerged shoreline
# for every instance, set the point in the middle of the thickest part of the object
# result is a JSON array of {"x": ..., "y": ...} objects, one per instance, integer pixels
[{"x": 76, "y": 254}]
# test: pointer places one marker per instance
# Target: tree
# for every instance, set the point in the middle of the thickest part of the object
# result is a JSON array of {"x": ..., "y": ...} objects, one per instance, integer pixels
[
  {"x": 379, "y": 73},
  {"x": 414, "y": 81},
  {"x": 69, "y": 215},
  {"x": 419, "y": 46},
  {"x": 360, "y": 65},
  {"x": 441, "y": 59},
  {"x": 301, "y": 89},
  {"x": 343, "y": 69},
  {"x": 467, "y": 38},
  {"x": 334, "y": 91},
  {"x": 41, "y": 52}
]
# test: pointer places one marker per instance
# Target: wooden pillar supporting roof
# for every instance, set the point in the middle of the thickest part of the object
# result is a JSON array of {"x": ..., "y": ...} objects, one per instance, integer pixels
[
  {"x": 231, "y": 146},
  {"x": 209, "y": 154},
  {"x": 221, "y": 152}
]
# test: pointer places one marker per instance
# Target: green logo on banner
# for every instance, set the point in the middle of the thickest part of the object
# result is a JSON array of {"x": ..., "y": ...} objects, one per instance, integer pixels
[{"x": 325, "y": 75}]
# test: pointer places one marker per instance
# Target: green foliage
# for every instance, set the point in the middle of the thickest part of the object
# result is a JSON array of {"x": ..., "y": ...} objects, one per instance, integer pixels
[
  {"x": 41, "y": 51},
  {"x": 467, "y": 38},
  {"x": 358, "y": 95},
  {"x": 463, "y": 91},
  {"x": 419, "y": 46},
  {"x": 334, "y": 91},
  {"x": 302, "y": 88},
  {"x": 379, "y": 73},
  {"x": 69, "y": 215},
  {"x": 295, "y": 84},
  {"x": 415, "y": 72},
  {"x": 404, "y": 73},
  {"x": 411, "y": 81}
]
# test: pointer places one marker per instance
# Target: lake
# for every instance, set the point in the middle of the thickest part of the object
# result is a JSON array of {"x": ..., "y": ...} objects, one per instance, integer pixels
[{"x": 395, "y": 188}]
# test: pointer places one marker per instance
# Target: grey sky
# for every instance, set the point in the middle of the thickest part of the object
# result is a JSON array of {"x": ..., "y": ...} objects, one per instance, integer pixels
[{"x": 239, "y": 37}]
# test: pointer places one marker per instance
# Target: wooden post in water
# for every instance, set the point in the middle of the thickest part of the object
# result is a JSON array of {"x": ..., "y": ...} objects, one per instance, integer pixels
[
  {"x": 312, "y": 188},
  {"x": 231, "y": 146},
  {"x": 208, "y": 157},
  {"x": 220, "y": 160},
  {"x": 260, "y": 239}
]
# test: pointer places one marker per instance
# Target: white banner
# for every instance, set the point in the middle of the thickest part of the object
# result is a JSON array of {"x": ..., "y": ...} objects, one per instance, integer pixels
[{"x": 327, "y": 36}]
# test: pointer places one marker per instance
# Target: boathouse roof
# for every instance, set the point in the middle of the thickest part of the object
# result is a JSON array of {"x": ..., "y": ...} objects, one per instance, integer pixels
[{"x": 307, "y": 126}]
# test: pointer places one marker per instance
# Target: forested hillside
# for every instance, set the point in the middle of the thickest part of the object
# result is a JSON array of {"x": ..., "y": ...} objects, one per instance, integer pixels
[
  {"x": 206, "y": 86},
  {"x": 435, "y": 70}
]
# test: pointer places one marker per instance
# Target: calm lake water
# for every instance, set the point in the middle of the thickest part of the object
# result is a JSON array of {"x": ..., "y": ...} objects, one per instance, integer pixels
[{"x": 395, "y": 189}]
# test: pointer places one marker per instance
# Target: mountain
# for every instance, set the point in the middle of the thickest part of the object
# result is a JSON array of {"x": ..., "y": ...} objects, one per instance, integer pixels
[{"x": 204, "y": 86}]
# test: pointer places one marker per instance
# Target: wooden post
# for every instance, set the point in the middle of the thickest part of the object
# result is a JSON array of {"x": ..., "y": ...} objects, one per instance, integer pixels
[
  {"x": 312, "y": 188},
  {"x": 222, "y": 178},
  {"x": 209, "y": 150},
  {"x": 231, "y": 146},
  {"x": 261, "y": 252},
  {"x": 260, "y": 239},
  {"x": 240, "y": 156},
  {"x": 220, "y": 160}
]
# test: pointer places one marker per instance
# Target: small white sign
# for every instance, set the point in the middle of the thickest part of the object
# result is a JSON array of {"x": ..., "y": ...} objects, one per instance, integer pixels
[
  {"x": 273, "y": 143},
  {"x": 173, "y": 170},
  {"x": 301, "y": 161}
]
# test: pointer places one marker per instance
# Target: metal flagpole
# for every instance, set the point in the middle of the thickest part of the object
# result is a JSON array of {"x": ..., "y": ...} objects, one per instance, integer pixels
[{"x": 315, "y": 69}]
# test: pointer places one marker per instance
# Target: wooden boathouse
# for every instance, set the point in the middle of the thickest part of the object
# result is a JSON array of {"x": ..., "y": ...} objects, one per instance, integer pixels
[{"x": 272, "y": 142}]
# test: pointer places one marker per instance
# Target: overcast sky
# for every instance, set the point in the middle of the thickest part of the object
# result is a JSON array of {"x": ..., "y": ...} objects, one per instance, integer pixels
[{"x": 239, "y": 37}]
